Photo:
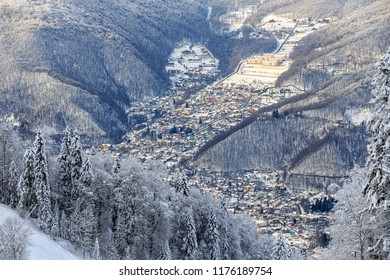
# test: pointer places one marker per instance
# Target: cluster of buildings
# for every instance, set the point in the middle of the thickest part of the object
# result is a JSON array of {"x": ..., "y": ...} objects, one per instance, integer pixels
[
  {"x": 273, "y": 207},
  {"x": 172, "y": 128},
  {"x": 171, "y": 131},
  {"x": 191, "y": 66}
]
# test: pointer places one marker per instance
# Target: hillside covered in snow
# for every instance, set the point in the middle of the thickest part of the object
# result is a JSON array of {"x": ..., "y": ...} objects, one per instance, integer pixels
[
  {"x": 39, "y": 246},
  {"x": 82, "y": 63}
]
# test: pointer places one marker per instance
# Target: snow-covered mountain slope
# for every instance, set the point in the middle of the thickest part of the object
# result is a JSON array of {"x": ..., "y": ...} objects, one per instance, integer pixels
[
  {"x": 81, "y": 63},
  {"x": 40, "y": 246},
  {"x": 322, "y": 136}
]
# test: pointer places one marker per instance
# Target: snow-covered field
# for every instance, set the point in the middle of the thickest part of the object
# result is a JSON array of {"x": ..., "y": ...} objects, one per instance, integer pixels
[{"x": 40, "y": 246}]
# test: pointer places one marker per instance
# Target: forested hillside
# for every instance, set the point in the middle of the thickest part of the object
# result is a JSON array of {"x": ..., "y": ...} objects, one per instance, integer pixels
[
  {"x": 82, "y": 63},
  {"x": 318, "y": 138},
  {"x": 117, "y": 208}
]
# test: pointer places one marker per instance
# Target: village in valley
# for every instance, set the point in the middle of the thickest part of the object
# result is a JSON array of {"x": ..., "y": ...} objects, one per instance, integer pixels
[{"x": 172, "y": 129}]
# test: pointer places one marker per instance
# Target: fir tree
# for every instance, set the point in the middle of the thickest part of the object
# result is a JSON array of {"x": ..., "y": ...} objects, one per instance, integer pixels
[
  {"x": 109, "y": 250},
  {"x": 190, "y": 244},
  {"x": 85, "y": 201},
  {"x": 212, "y": 237},
  {"x": 64, "y": 226},
  {"x": 120, "y": 236},
  {"x": 129, "y": 254},
  {"x": 64, "y": 174},
  {"x": 55, "y": 228},
  {"x": 180, "y": 184},
  {"x": 41, "y": 184},
  {"x": 88, "y": 229},
  {"x": 378, "y": 159},
  {"x": 96, "y": 250},
  {"x": 161, "y": 229},
  {"x": 166, "y": 252},
  {"x": 225, "y": 246},
  {"x": 282, "y": 248},
  {"x": 83, "y": 188},
  {"x": 377, "y": 188},
  {"x": 75, "y": 226},
  {"x": 13, "y": 185},
  {"x": 26, "y": 191},
  {"x": 77, "y": 161}
]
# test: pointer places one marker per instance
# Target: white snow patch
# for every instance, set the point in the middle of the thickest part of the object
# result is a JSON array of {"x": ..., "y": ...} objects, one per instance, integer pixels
[
  {"x": 236, "y": 19},
  {"x": 41, "y": 246},
  {"x": 210, "y": 11},
  {"x": 357, "y": 116}
]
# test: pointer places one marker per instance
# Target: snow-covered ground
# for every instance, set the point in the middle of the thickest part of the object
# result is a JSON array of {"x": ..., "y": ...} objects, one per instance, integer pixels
[
  {"x": 274, "y": 22},
  {"x": 236, "y": 19},
  {"x": 281, "y": 27},
  {"x": 357, "y": 116},
  {"x": 190, "y": 63},
  {"x": 40, "y": 246}
]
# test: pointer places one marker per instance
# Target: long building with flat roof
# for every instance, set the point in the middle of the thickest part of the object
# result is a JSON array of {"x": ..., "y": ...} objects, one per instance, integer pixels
[{"x": 266, "y": 60}]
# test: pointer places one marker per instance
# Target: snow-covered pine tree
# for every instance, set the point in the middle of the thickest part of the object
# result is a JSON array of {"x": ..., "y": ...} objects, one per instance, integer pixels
[
  {"x": 64, "y": 225},
  {"x": 55, "y": 227},
  {"x": 41, "y": 184},
  {"x": 378, "y": 159},
  {"x": 75, "y": 226},
  {"x": 64, "y": 174},
  {"x": 109, "y": 251},
  {"x": 129, "y": 253},
  {"x": 120, "y": 236},
  {"x": 234, "y": 239},
  {"x": 13, "y": 185},
  {"x": 76, "y": 159},
  {"x": 190, "y": 244},
  {"x": 7, "y": 153},
  {"x": 26, "y": 191},
  {"x": 116, "y": 194},
  {"x": 212, "y": 237},
  {"x": 282, "y": 248},
  {"x": 88, "y": 230},
  {"x": 166, "y": 252},
  {"x": 83, "y": 188},
  {"x": 180, "y": 183},
  {"x": 225, "y": 246},
  {"x": 96, "y": 250},
  {"x": 160, "y": 229},
  {"x": 377, "y": 188},
  {"x": 86, "y": 204}
]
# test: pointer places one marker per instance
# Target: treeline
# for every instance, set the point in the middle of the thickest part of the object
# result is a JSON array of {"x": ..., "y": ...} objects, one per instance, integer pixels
[{"x": 117, "y": 208}]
